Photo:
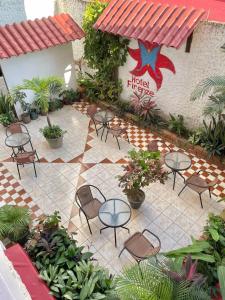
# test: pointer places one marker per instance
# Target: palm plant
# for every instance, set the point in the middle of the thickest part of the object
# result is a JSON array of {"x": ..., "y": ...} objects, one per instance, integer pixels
[
  {"x": 154, "y": 280},
  {"x": 44, "y": 89},
  {"x": 215, "y": 85},
  {"x": 14, "y": 222}
]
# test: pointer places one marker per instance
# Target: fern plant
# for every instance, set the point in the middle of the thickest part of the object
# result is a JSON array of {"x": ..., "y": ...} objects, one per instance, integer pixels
[
  {"x": 14, "y": 222},
  {"x": 152, "y": 280}
]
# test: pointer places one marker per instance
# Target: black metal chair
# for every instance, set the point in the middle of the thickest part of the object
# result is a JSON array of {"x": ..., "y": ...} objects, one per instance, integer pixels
[
  {"x": 19, "y": 128},
  {"x": 199, "y": 185},
  {"x": 26, "y": 158},
  {"x": 140, "y": 247},
  {"x": 86, "y": 202},
  {"x": 117, "y": 131},
  {"x": 91, "y": 111}
]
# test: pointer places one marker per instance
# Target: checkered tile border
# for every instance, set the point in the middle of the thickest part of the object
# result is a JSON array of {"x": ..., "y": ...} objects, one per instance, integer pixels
[{"x": 140, "y": 138}]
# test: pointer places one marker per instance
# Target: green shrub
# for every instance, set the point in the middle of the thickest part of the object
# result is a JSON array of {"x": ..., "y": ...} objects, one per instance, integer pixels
[
  {"x": 6, "y": 110},
  {"x": 52, "y": 132},
  {"x": 176, "y": 124},
  {"x": 70, "y": 96},
  {"x": 14, "y": 222},
  {"x": 67, "y": 270},
  {"x": 209, "y": 252}
]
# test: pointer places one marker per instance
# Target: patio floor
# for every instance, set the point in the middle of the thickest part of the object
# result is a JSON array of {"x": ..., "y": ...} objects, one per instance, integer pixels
[{"x": 84, "y": 158}]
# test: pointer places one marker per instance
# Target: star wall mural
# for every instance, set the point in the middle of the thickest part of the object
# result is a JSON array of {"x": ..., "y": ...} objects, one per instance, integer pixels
[{"x": 149, "y": 59}]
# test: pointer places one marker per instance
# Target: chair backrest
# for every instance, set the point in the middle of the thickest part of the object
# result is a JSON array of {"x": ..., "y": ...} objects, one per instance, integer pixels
[
  {"x": 16, "y": 128},
  {"x": 153, "y": 146},
  {"x": 91, "y": 110},
  {"x": 26, "y": 157},
  {"x": 84, "y": 195}
]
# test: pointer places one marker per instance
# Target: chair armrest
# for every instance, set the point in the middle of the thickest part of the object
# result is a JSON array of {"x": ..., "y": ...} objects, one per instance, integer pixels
[{"x": 153, "y": 235}]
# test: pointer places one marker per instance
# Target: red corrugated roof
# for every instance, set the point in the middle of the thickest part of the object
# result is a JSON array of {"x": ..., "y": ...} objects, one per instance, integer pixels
[
  {"x": 154, "y": 22},
  {"x": 29, "y": 36}
]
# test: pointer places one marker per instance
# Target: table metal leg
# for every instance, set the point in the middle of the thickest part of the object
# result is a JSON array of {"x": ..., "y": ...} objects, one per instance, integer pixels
[
  {"x": 174, "y": 179},
  {"x": 102, "y": 132},
  {"x": 103, "y": 228},
  {"x": 126, "y": 228},
  {"x": 181, "y": 176},
  {"x": 115, "y": 237}
]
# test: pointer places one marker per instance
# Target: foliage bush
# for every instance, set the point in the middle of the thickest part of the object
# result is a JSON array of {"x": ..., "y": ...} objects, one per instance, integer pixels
[
  {"x": 176, "y": 124},
  {"x": 211, "y": 137},
  {"x": 44, "y": 89},
  {"x": 67, "y": 270},
  {"x": 70, "y": 96},
  {"x": 52, "y": 132},
  {"x": 210, "y": 252},
  {"x": 14, "y": 222},
  {"x": 6, "y": 110},
  {"x": 143, "y": 168},
  {"x": 104, "y": 53},
  {"x": 161, "y": 279}
]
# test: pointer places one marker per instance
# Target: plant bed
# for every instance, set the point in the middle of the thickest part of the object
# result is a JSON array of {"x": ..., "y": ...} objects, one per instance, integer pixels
[{"x": 66, "y": 268}]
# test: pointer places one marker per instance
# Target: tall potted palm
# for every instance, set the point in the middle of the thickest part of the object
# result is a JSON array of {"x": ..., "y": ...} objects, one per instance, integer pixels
[
  {"x": 143, "y": 168},
  {"x": 44, "y": 89}
]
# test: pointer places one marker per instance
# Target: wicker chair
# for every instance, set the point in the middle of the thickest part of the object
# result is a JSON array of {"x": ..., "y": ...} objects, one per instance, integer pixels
[
  {"x": 91, "y": 111},
  {"x": 26, "y": 158},
  {"x": 199, "y": 185},
  {"x": 87, "y": 204},
  {"x": 117, "y": 131},
  {"x": 140, "y": 247}
]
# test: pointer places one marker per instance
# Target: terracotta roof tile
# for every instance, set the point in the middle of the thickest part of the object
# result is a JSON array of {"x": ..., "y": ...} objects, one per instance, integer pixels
[
  {"x": 29, "y": 36},
  {"x": 152, "y": 21}
]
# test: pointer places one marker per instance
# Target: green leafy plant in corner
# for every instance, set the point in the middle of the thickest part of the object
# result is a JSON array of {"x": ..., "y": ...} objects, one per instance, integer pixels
[
  {"x": 44, "y": 89},
  {"x": 14, "y": 222},
  {"x": 161, "y": 279},
  {"x": 176, "y": 124},
  {"x": 7, "y": 115},
  {"x": 209, "y": 252}
]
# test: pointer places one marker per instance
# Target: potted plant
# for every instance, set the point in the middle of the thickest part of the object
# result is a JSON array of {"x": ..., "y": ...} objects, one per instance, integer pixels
[
  {"x": 70, "y": 96},
  {"x": 44, "y": 89},
  {"x": 7, "y": 115},
  {"x": 53, "y": 134},
  {"x": 14, "y": 223},
  {"x": 50, "y": 223},
  {"x": 143, "y": 168}
]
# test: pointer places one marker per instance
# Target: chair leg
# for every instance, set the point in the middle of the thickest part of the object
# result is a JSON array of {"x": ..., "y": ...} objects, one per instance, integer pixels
[
  {"x": 88, "y": 225},
  {"x": 128, "y": 138},
  {"x": 182, "y": 190},
  {"x": 118, "y": 142},
  {"x": 210, "y": 195},
  {"x": 121, "y": 251},
  {"x": 37, "y": 156},
  {"x": 18, "y": 170},
  {"x": 95, "y": 127},
  {"x": 35, "y": 169},
  {"x": 200, "y": 197},
  {"x": 31, "y": 146}
]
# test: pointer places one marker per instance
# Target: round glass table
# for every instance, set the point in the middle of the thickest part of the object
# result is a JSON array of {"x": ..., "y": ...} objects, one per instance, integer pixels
[
  {"x": 17, "y": 140},
  {"x": 177, "y": 161},
  {"x": 103, "y": 117},
  {"x": 114, "y": 213}
]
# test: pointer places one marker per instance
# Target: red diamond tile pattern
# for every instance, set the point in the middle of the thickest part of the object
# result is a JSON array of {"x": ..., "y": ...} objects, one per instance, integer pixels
[
  {"x": 12, "y": 193},
  {"x": 140, "y": 137}
]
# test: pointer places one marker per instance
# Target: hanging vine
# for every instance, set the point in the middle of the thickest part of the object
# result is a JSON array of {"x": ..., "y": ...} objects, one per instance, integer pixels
[{"x": 104, "y": 53}]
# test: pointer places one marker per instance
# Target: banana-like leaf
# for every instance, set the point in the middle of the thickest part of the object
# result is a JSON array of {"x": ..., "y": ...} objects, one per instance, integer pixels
[{"x": 221, "y": 276}]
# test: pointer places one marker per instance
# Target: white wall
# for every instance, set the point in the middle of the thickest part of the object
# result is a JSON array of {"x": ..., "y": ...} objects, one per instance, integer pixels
[
  {"x": 205, "y": 58},
  {"x": 56, "y": 61}
]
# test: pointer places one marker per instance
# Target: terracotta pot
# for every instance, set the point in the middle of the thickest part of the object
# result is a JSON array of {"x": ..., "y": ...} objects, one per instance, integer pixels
[{"x": 136, "y": 198}]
